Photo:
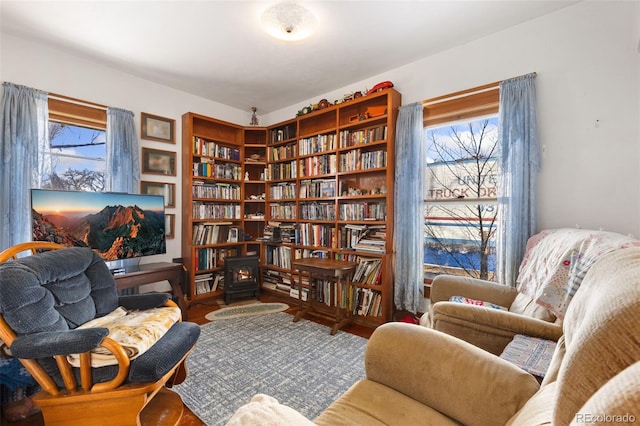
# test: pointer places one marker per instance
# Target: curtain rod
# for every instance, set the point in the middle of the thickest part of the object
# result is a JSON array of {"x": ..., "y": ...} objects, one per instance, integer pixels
[{"x": 479, "y": 89}]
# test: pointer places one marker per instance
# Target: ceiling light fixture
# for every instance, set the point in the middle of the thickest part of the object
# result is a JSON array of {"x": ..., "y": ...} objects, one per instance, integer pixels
[{"x": 288, "y": 21}]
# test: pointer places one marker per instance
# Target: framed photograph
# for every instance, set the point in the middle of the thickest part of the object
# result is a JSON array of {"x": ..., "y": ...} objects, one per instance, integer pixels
[
  {"x": 158, "y": 128},
  {"x": 169, "y": 226},
  {"x": 158, "y": 162},
  {"x": 168, "y": 190},
  {"x": 233, "y": 235}
]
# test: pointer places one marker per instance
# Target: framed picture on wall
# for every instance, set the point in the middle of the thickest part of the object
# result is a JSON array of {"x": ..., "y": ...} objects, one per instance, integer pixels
[
  {"x": 170, "y": 226},
  {"x": 168, "y": 190},
  {"x": 158, "y": 162},
  {"x": 156, "y": 128}
]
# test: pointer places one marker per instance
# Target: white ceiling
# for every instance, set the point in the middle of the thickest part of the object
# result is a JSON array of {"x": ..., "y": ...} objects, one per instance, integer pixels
[{"x": 217, "y": 50}]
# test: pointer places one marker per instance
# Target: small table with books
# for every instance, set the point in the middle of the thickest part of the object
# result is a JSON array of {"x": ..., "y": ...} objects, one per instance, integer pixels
[{"x": 333, "y": 271}]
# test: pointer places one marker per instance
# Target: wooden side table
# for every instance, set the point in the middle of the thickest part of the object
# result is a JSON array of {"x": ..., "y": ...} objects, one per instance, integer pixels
[
  {"x": 328, "y": 269},
  {"x": 148, "y": 273}
]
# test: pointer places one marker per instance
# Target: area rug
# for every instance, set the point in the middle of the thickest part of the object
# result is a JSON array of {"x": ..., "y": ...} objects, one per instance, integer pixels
[
  {"x": 246, "y": 310},
  {"x": 300, "y": 364}
]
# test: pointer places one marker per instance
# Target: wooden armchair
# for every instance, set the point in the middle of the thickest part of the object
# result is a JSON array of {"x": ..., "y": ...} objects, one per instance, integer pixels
[{"x": 44, "y": 298}]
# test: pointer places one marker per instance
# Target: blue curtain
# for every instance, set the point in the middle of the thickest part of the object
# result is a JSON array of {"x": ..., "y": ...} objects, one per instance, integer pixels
[
  {"x": 519, "y": 154},
  {"x": 123, "y": 159},
  {"x": 24, "y": 118},
  {"x": 409, "y": 206}
]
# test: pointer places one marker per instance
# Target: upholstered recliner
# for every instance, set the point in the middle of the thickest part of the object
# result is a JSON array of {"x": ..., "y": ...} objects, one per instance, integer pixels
[
  {"x": 45, "y": 298},
  {"x": 417, "y": 375},
  {"x": 555, "y": 263}
]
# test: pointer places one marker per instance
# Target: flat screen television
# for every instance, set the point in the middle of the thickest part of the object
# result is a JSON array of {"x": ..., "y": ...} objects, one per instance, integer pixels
[{"x": 118, "y": 226}]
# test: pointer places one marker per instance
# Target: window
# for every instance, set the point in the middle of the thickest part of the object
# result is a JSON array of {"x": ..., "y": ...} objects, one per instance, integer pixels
[
  {"x": 460, "y": 209},
  {"x": 77, "y": 146}
]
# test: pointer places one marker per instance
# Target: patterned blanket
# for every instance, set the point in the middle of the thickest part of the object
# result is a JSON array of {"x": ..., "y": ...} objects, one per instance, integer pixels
[
  {"x": 556, "y": 261},
  {"x": 136, "y": 331}
]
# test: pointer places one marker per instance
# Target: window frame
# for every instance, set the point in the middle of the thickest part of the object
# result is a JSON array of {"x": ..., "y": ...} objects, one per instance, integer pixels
[
  {"x": 458, "y": 106},
  {"x": 76, "y": 112}
]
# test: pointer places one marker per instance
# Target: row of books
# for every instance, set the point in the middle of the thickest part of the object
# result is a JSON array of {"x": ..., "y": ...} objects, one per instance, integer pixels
[
  {"x": 278, "y": 153},
  {"x": 207, "y": 283},
  {"x": 225, "y": 191},
  {"x": 283, "y": 211},
  {"x": 367, "y": 302},
  {"x": 318, "y": 143},
  {"x": 319, "y": 165},
  {"x": 282, "y": 133},
  {"x": 280, "y": 171},
  {"x": 368, "y": 271},
  {"x": 317, "y": 188},
  {"x": 216, "y": 211},
  {"x": 357, "y": 160},
  {"x": 351, "y": 235},
  {"x": 363, "y": 211},
  {"x": 215, "y": 233},
  {"x": 360, "y": 301},
  {"x": 282, "y": 191},
  {"x": 317, "y": 211},
  {"x": 278, "y": 256},
  {"x": 210, "y": 148},
  {"x": 210, "y": 258},
  {"x": 316, "y": 235},
  {"x": 351, "y": 138},
  {"x": 218, "y": 170}
]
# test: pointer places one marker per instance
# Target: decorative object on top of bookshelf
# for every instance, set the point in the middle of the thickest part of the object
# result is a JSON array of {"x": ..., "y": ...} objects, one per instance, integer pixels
[
  {"x": 305, "y": 110},
  {"x": 158, "y": 162},
  {"x": 156, "y": 128},
  {"x": 168, "y": 190},
  {"x": 254, "y": 117},
  {"x": 380, "y": 86},
  {"x": 170, "y": 226}
]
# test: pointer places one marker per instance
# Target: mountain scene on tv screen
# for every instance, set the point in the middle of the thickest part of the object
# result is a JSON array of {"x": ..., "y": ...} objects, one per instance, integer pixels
[{"x": 116, "y": 232}]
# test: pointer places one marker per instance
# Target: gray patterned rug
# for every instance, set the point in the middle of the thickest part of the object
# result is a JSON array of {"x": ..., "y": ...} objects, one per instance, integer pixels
[{"x": 299, "y": 364}]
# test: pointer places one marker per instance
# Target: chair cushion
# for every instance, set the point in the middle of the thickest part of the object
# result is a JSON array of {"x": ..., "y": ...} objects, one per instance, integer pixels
[
  {"x": 56, "y": 290},
  {"x": 148, "y": 367},
  {"x": 135, "y": 331}
]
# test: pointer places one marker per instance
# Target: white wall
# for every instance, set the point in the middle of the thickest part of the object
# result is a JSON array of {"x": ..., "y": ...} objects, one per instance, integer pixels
[
  {"x": 34, "y": 65},
  {"x": 588, "y": 84}
]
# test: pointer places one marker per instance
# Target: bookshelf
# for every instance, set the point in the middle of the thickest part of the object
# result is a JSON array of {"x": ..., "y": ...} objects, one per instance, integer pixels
[
  {"x": 213, "y": 155},
  {"x": 318, "y": 185},
  {"x": 254, "y": 195},
  {"x": 329, "y": 191}
]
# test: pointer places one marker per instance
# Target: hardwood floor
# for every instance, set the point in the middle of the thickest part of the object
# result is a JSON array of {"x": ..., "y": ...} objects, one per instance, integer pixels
[{"x": 197, "y": 314}]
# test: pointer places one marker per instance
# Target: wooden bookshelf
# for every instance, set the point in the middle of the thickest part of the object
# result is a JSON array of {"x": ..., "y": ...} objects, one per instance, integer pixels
[
  {"x": 329, "y": 188},
  {"x": 212, "y": 200},
  {"x": 324, "y": 179}
]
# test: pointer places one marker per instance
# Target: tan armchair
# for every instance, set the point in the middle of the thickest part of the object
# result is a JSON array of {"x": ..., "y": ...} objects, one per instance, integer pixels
[
  {"x": 553, "y": 267},
  {"x": 45, "y": 298},
  {"x": 487, "y": 328}
]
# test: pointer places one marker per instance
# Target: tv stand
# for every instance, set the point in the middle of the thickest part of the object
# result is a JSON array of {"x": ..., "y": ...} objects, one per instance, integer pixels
[{"x": 147, "y": 273}]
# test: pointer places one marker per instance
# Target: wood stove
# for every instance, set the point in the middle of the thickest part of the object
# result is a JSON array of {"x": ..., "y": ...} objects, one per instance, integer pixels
[{"x": 241, "y": 277}]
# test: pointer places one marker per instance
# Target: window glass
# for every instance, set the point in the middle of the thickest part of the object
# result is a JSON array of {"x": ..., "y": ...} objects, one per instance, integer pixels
[
  {"x": 76, "y": 158},
  {"x": 460, "y": 209}
]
